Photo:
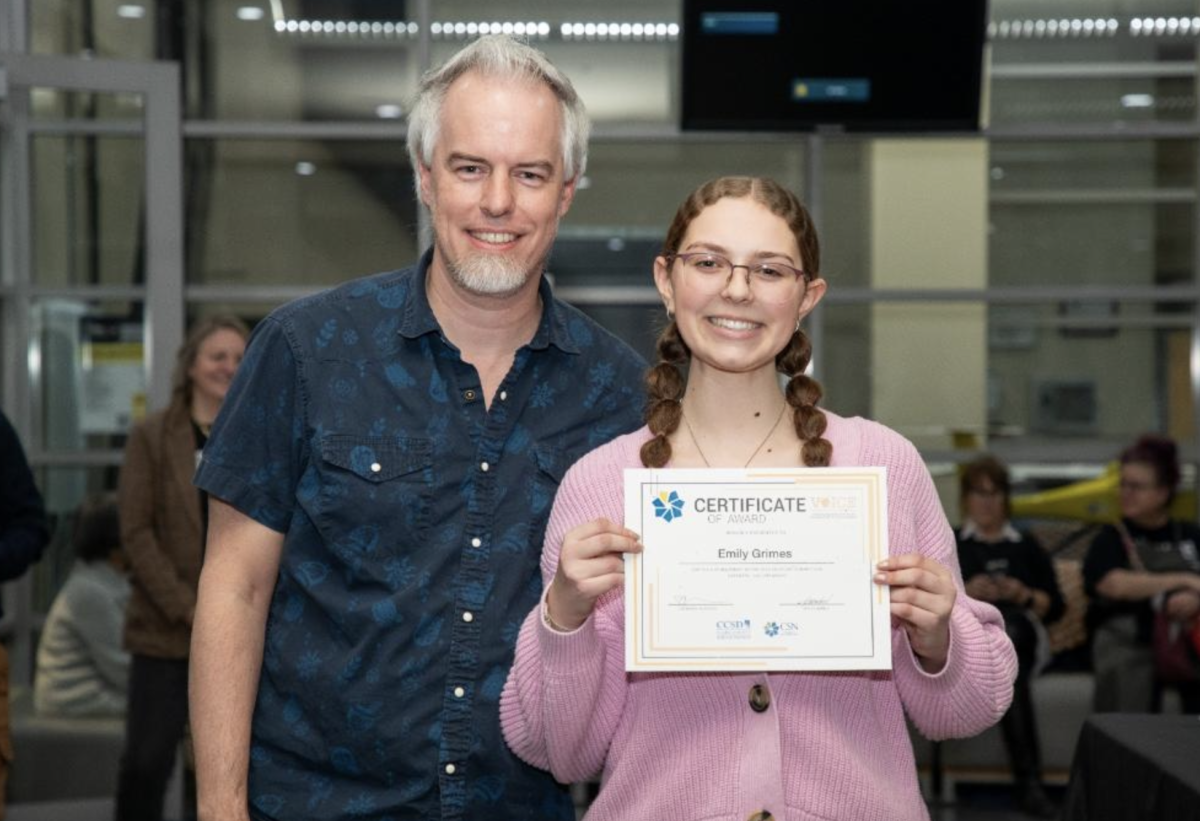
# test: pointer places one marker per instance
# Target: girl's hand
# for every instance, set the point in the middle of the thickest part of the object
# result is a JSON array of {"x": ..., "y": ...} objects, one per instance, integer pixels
[
  {"x": 923, "y": 595},
  {"x": 591, "y": 563}
]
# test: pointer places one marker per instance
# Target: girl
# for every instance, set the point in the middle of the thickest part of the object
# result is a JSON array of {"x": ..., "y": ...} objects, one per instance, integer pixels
[{"x": 738, "y": 272}]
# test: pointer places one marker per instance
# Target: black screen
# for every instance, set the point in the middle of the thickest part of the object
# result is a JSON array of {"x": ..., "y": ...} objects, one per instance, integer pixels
[{"x": 853, "y": 65}]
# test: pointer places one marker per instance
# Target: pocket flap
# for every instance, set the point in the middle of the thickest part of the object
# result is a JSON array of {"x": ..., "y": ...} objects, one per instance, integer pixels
[
  {"x": 551, "y": 461},
  {"x": 376, "y": 459}
]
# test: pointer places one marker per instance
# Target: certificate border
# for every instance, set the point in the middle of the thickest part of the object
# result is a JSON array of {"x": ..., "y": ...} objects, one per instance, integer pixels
[{"x": 644, "y": 653}]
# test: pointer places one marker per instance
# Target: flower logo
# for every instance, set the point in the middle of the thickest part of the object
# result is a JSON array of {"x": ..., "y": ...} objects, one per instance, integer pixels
[
  {"x": 668, "y": 506},
  {"x": 771, "y": 628}
]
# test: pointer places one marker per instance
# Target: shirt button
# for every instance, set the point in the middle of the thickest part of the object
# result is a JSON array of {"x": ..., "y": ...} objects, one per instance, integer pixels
[
  {"x": 761, "y": 815},
  {"x": 477, "y": 542},
  {"x": 503, "y": 395},
  {"x": 468, "y": 617},
  {"x": 469, "y": 395},
  {"x": 760, "y": 699},
  {"x": 459, "y": 692},
  {"x": 450, "y": 769},
  {"x": 376, "y": 467},
  {"x": 485, "y": 467}
]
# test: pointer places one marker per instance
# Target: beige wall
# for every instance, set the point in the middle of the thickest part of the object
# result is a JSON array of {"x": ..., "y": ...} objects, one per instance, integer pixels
[{"x": 928, "y": 229}]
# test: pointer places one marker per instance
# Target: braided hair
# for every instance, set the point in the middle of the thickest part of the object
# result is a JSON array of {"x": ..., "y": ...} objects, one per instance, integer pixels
[{"x": 665, "y": 381}]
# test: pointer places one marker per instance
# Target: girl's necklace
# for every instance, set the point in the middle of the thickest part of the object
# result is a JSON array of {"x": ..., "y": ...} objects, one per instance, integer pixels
[{"x": 766, "y": 438}]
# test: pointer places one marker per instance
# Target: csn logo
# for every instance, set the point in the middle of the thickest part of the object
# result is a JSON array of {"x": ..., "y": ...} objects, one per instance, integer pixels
[
  {"x": 780, "y": 628},
  {"x": 668, "y": 506}
]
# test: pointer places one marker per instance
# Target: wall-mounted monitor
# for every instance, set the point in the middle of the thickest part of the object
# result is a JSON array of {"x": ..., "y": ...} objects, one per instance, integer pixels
[{"x": 838, "y": 65}]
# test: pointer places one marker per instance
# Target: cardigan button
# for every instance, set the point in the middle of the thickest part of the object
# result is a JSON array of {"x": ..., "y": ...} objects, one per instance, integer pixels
[
  {"x": 760, "y": 700},
  {"x": 761, "y": 815}
]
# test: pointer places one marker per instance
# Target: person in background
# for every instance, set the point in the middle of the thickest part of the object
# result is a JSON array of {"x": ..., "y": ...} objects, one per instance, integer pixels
[
  {"x": 385, "y": 466},
  {"x": 163, "y": 522},
  {"x": 1146, "y": 562},
  {"x": 739, "y": 270},
  {"x": 82, "y": 669},
  {"x": 23, "y": 537},
  {"x": 1010, "y": 570}
]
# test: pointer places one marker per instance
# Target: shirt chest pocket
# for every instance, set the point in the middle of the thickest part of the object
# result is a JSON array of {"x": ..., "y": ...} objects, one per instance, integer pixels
[
  {"x": 375, "y": 494},
  {"x": 545, "y": 474}
]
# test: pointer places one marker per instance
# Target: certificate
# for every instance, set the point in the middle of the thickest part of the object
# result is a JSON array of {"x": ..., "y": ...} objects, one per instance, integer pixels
[{"x": 757, "y": 569}]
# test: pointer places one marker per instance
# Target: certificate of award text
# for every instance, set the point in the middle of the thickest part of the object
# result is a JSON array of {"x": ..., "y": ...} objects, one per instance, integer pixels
[{"x": 757, "y": 569}]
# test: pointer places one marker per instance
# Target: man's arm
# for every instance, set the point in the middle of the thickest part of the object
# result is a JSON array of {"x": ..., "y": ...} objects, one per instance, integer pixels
[{"x": 240, "y": 570}]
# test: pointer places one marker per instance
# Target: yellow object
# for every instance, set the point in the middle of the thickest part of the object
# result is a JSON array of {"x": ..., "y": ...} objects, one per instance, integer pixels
[{"x": 1092, "y": 500}]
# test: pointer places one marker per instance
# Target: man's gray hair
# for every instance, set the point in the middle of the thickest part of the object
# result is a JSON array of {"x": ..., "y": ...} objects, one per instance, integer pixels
[{"x": 497, "y": 55}]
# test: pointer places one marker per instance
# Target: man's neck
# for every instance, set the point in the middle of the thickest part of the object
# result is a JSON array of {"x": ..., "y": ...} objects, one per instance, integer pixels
[{"x": 487, "y": 330}]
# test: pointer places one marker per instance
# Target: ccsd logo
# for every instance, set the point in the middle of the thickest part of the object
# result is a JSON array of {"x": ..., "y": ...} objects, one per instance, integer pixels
[
  {"x": 668, "y": 506},
  {"x": 734, "y": 629}
]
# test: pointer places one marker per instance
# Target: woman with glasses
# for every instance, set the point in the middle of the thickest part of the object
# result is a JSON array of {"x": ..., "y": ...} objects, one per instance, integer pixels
[
  {"x": 739, "y": 270},
  {"x": 1147, "y": 562},
  {"x": 1010, "y": 570}
]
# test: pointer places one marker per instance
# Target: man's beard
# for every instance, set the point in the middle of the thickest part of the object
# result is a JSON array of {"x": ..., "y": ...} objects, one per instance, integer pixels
[{"x": 490, "y": 274}]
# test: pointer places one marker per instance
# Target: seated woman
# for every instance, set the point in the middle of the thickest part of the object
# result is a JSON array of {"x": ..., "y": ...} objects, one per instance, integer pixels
[
  {"x": 82, "y": 669},
  {"x": 1146, "y": 562},
  {"x": 1010, "y": 570},
  {"x": 739, "y": 270}
]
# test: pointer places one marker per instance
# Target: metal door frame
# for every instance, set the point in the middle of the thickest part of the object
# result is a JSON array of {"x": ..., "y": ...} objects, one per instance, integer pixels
[{"x": 163, "y": 293}]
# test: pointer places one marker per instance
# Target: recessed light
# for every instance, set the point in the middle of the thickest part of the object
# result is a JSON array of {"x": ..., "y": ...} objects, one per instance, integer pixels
[
  {"x": 250, "y": 13},
  {"x": 1137, "y": 100},
  {"x": 305, "y": 169},
  {"x": 389, "y": 111},
  {"x": 131, "y": 12}
]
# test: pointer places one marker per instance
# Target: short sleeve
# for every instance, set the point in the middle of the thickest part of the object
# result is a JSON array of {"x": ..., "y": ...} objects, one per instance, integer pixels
[
  {"x": 257, "y": 450},
  {"x": 1106, "y": 553}
]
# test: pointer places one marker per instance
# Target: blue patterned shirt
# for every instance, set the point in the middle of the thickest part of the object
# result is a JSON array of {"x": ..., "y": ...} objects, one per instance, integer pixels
[{"x": 413, "y": 520}]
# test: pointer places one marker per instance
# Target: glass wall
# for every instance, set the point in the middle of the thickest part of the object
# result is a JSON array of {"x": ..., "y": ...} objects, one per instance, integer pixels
[{"x": 1083, "y": 305}]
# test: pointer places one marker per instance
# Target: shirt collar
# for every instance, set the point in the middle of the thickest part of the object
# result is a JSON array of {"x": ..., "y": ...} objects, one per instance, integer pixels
[
  {"x": 553, "y": 327},
  {"x": 1007, "y": 534}
]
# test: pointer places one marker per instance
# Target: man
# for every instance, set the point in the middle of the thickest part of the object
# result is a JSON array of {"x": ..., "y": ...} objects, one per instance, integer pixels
[
  {"x": 381, "y": 475},
  {"x": 23, "y": 536}
]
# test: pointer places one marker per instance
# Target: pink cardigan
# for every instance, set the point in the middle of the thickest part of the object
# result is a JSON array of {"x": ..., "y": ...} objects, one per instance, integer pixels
[{"x": 689, "y": 746}]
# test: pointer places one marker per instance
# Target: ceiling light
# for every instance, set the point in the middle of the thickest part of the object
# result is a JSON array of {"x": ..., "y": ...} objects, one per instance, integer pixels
[
  {"x": 250, "y": 13},
  {"x": 131, "y": 12},
  {"x": 1062, "y": 27},
  {"x": 389, "y": 111},
  {"x": 1137, "y": 100},
  {"x": 305, "y": 169}
]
